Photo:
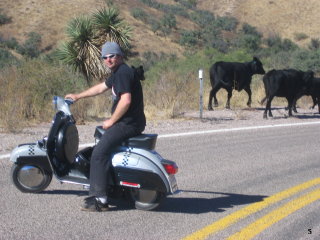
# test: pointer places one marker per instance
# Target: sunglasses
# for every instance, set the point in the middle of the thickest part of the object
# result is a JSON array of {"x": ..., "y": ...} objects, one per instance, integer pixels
[{"x": 109, "y": 56}]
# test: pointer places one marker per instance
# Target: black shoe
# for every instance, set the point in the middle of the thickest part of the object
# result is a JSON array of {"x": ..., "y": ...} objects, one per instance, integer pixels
[{"x": 91, "y": 204}]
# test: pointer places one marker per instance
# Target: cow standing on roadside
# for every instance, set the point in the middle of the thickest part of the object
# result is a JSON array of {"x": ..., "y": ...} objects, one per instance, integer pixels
[
  {"x": 288, "y": 83},
  {"x": 313, "y": 90},
  {"x": 233, "y": 75}
]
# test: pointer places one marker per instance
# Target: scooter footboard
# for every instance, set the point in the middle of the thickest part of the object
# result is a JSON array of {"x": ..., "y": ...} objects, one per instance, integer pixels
[{"x": 138, "y": 178}]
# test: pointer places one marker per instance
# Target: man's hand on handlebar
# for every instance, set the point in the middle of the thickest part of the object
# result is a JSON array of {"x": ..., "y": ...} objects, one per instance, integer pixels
[{"x": 74, "y": 97}]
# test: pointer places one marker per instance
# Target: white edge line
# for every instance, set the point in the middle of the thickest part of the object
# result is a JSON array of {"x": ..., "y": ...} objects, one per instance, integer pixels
[
  {"x": 209, "y": 132},
  {"x": 236, "y": 129}
]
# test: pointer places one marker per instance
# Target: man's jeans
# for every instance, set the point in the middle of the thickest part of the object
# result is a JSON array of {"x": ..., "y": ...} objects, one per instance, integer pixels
[{"x": 101, "y": 155}]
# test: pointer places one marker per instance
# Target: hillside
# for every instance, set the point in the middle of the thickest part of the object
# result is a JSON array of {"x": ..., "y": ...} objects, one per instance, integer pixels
[
  {"x": 49, "y": 18},
  {"x": 282, "y": 17}
]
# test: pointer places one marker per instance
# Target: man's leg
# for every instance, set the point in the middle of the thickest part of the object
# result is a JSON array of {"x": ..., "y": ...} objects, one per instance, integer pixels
[
  {"x": 99, "y": 164},
  {"x": 101, "y": 156}
]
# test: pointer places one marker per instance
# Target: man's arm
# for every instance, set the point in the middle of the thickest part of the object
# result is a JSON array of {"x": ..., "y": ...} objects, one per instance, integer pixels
[
  {"x": 93, "y": 91},
  {"x": 121, "y": 109}
]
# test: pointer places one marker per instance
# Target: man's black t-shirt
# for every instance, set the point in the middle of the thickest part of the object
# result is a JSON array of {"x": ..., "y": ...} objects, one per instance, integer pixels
[{"x": 122, "y": 81}]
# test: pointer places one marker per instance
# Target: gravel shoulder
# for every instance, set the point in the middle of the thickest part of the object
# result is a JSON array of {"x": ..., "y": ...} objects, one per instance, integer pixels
[{"x": 190, "y": 121}]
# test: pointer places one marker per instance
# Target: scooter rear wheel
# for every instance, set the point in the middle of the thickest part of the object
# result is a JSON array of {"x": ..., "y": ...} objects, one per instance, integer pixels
[
  {"x": 146, "y": 199},
  {"x": 30, "y": 178}
]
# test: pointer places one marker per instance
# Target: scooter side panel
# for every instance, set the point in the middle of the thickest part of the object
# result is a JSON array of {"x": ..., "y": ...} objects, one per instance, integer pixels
[
  {"x": 156, "y": 159},
  {"x": 138, "y": 178},
  {"x": 144, "y": 160}
]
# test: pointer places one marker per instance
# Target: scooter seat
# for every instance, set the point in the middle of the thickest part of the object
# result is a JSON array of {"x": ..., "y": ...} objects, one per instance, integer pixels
[{"x": 144, "y": 141}]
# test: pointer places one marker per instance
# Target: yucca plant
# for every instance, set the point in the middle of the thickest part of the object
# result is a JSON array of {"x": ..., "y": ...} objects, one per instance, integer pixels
[
  {"x": 109, "y": 26},
  {"x": 87, "y": 34}
]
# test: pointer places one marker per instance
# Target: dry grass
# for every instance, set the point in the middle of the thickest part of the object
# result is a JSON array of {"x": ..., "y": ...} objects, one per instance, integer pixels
[
  {"x": 26, "y": 92},
  {"x": 170, "y": 96},
  {"x": 11, "y": 101}
]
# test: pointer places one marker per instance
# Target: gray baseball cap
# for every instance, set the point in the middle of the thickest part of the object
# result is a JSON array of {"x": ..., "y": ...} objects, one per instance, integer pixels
[{"x": 111, "y": 48}]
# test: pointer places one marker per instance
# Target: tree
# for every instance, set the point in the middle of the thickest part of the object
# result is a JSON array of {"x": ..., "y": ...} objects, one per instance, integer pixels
[{"x": 87, "y": 35}]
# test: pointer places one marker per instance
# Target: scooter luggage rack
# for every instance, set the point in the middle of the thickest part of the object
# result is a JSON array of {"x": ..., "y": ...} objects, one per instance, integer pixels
[{"x": 144, "y": 141}]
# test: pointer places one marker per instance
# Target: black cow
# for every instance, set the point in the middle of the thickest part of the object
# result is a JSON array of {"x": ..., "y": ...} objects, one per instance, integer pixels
[
  {"x": 138, "y": 72},
  {"x": 233, "y": 75},
  {"x": 313, "y": 90},
  {"x": 288, "y": 83}
]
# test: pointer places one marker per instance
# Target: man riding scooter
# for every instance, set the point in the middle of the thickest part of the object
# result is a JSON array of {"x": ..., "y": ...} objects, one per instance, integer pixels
[{"x": 127, "y": 120}]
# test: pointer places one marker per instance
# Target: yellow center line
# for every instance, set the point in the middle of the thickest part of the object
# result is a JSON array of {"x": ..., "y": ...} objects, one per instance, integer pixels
[
  {"x": 266, "y": 221},
  {"x": 252, "y": 208}
]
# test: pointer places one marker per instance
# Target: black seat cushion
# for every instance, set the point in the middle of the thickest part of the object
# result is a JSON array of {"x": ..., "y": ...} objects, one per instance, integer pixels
[{"x": 145, "y": 141}]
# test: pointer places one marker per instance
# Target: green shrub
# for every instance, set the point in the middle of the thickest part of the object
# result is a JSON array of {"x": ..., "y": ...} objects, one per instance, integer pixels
[
  {"x": 226, "y": 23},
  {"x": 169, "y": 21},
  {"x": 155, "y": 25},
  {"x": 250, "y": 42},
  {"x": 190, "y": 4},
  {"x": 209, "y": 36},
  {"x": 247, "y": 29},
  {"x": 6, "y": 58},
  {"x": 202, "y": 18},
  {"x": 4, "y": 18},
  {"x": 220, "y": 44},
  {"x": 300, "y": 36},
  {"x": 11, "y": 43},
  {"x": 138, "y": 13},
  {"x": 273, "y": 41},
  {"x": 280, "y": 60},
  {"x": 31, "y": 47},
  {"x": 314, "y": 44},
  {"x": 189, "y": 38},
  {"x": 305, "y": 60},
  {"x": 150, "y": 59},
  {"x": 167, "y": 8},
  {"x": 276, "y": 44},
  {"x": 288, "y": 45}
]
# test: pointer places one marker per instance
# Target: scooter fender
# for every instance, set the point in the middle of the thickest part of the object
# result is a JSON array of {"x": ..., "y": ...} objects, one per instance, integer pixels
[
  {"x": 140, "y": 168},
  {"x": 31, "y": 154}
]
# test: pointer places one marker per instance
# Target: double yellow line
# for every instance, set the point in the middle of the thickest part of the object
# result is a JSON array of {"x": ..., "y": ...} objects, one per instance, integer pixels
[{"x": 258, "y": 226}]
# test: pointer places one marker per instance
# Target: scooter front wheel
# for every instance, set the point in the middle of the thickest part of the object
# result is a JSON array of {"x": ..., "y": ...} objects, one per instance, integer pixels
[
  {"x": 30, "y": 178},
  {"x": 145, "y": 199}
]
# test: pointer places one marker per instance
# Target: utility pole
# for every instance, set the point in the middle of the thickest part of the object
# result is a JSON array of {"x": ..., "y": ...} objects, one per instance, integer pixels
[{"x": 201, "y": 91}]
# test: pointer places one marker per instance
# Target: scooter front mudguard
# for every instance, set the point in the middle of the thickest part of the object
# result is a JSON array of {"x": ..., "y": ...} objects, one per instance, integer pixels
[{"x": 31, "y": 154}]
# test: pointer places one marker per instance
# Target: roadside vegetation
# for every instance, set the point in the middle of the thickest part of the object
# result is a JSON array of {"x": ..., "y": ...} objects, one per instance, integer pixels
[{"x": 31, "y": 76}]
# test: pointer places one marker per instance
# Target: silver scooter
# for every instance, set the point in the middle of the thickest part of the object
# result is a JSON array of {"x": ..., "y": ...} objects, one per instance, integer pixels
[{"x": 137, "y": 171}]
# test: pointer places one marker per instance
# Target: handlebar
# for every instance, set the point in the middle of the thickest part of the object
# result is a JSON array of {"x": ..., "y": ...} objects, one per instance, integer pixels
[
  {"x": 62, "y": 104},
  {"x": 69, "y": 101}
]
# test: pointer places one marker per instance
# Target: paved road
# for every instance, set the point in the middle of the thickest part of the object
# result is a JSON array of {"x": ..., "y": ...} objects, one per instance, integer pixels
[{"x": 268, "y": 173}]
